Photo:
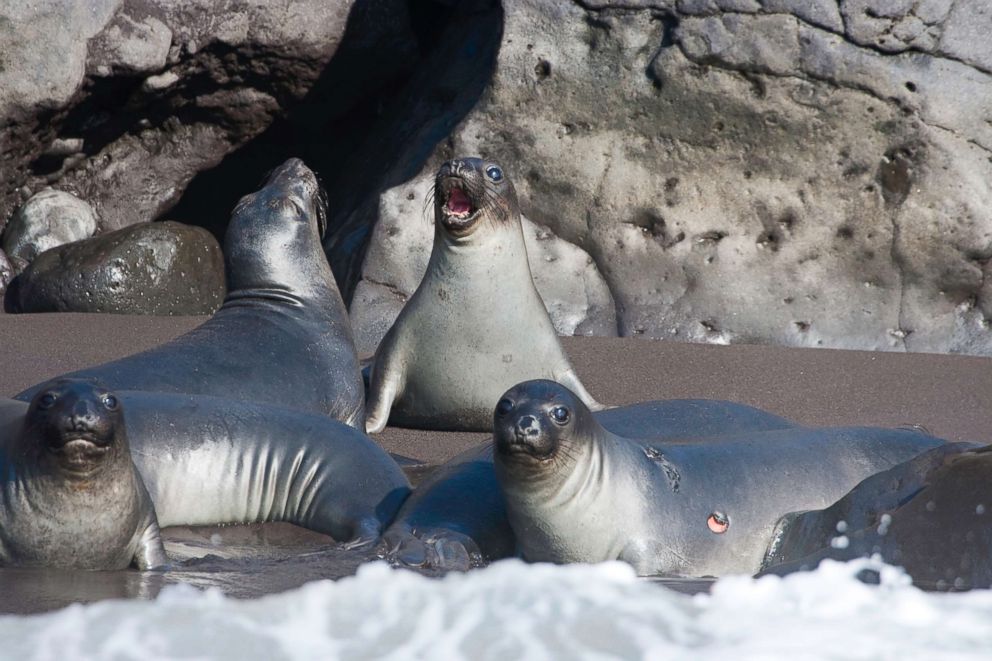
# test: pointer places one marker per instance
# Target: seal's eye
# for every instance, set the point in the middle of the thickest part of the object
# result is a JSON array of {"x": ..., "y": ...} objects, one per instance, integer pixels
[
  {"x": 110, "y": 402},
  {"x": 494, "y": 173},
  {"x": 47, "y": 401},
  {"x": 560, "y": 414},
  {"x": 504, "y": 406}
]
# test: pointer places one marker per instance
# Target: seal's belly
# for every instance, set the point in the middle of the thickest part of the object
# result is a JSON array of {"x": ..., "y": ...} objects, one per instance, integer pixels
[{"x": 460, "y": 386}]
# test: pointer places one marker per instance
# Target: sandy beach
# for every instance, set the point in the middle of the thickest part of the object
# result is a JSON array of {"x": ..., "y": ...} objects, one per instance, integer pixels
[{"x": 947, "y": 394}]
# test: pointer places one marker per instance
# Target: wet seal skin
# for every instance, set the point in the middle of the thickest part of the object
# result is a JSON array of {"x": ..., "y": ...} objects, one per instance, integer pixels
[
  {"x": 207, "y": 460},
  {"x": 929, "y": 515},
  {"x": 457, "y": 518},
  {"x": 71, "y": 496},
  {"x": 282, "y": 335},
  {"x": 576, "y": 492},
  {"x": 476, "y": 324}
]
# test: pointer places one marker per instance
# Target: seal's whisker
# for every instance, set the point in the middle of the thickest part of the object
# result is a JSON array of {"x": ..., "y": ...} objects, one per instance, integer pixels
[{"x": 429, "y": 203}]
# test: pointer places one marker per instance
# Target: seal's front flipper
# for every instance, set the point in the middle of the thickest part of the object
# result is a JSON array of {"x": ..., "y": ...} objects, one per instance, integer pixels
[
  {"x": 150, "y": 555},
  {"x": 366, "y": 532},
  {"x": 438, "y": 550},
  {"x": 380, "y": 402}
]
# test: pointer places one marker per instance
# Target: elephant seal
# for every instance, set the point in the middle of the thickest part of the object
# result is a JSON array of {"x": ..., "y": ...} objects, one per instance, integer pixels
[
  {"x": 476, "y": 324},
  {"x": 208, "y": 460},
  {"x": 457, "y": 518},
  {"x": 932, "y": 515},
  {"x": 282, "y": 335},
  {"x": 71, "y": 496},
  {"x": 576, "y": 492}
]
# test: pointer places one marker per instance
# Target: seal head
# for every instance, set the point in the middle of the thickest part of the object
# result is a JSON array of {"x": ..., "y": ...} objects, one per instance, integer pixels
[
  {"x": 272, "y": 228},
  {"x": 537, "y": 422},
  {"x": 470, "y": 191},
  {"x": 75, "y": 428},
  {"x": 71, "y": 496}
]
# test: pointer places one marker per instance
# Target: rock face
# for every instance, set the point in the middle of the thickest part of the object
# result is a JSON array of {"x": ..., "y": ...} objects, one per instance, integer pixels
[
  {"x": 6, "y": 273},
  {"x": 802, "y": 173},
  {"x": 574, "y": 292},
  {"x": 50, "y": 218},
  {"x": 162, "y": 268},
  {"x": 124, "y": 102}
]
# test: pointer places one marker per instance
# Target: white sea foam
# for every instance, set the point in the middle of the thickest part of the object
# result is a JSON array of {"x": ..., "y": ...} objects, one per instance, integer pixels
[{"x": 516, "y": 611}]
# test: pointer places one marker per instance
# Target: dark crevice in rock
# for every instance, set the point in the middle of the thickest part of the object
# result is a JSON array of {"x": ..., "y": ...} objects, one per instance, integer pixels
[
  {"x": 366, "y": 124},
  {"x": 459, "y": 57}
]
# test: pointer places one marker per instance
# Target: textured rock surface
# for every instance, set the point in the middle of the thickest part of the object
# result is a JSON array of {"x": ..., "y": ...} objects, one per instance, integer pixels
[
  {"x": 123, "y": 102},
  {"x": 50, "y": 218},
  {"x": 574, "y": 292},
  {"x": 153, "y": 268},
  {"x": 6, "y": 273},
  {"x": 746, "y": 171},
  {"x": 805, "y": 172}
]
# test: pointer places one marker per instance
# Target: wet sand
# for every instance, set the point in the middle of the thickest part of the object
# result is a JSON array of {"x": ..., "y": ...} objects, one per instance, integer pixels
[{"x": 948, "y": 395}]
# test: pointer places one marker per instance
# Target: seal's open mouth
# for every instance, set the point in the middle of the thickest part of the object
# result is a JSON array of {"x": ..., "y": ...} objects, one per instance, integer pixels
[
  {"x": 458, "y": 203},
  {"x": 458, "y": 212}
]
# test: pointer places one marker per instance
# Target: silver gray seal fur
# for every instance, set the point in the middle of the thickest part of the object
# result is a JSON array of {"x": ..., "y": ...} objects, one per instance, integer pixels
[
  {"x": 457, "y": 518},
  {"x": 576, "y": 492},
  {"x": 282, "y": 335},
  {"x": 71, "y": 497},
  {"x": 476, "y": 324},
  {"x": 207, "y": 460}
]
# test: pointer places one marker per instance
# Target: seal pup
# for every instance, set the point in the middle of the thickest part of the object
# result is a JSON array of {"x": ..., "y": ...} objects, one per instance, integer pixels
[
  {"x": 282, "y": 335},
  {"x": 457, "y": 519},
  {"x": 71, "y": 496},
  {"x": 932, "y": 515},
  {"x": 208, "y": 460},
  {"x": 576, "y": 492},
  {"x": 476, "y": 324}
]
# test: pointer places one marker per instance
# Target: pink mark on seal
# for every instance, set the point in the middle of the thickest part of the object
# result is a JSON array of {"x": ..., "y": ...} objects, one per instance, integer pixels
[
  {"x": 458, "y": 202},
  {"x": 718, "y": 523}
]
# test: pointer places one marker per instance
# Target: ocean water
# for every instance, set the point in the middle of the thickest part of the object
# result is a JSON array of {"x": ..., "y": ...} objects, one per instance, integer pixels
[{"x": 511, "y": 610}]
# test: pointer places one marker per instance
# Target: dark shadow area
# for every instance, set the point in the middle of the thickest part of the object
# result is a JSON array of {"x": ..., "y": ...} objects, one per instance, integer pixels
[{"x": 369, "y": 122}]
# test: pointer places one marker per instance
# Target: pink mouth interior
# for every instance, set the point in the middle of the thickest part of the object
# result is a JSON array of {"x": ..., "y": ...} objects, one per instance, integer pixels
[{"x": 458, "y": 202}]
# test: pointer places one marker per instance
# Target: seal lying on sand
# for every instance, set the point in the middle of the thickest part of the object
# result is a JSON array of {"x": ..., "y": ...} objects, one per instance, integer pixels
[
  {"x": 71, "y": 497},
  {"x": 576, "y": 492},
  {"x": 476, "y": 324},
  {"x": 931, "y": 515},
  {"x": 207, "y": 460},
  {"x": 457, "y": 518},
  {"x": 282, "y": 336}
]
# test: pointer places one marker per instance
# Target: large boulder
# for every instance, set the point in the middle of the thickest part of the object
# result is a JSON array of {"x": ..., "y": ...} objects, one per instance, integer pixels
[
  {"x": 50, "y": 218},
  {"x": 573, "y": 290},
  {"x": 163, "y": 268},
  {"x": 800, "y": 173}
]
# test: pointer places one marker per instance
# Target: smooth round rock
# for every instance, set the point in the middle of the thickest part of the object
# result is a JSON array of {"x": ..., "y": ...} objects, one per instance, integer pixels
[
  {"x": 48, "y": 219},
  {"x": 152, "y": 268}
]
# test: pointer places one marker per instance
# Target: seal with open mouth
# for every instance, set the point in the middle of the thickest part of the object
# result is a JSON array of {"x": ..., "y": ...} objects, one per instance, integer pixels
[
  {"x": 576, "y": 492},
  {"x": 282, "y": 335},
  {"x": 476, "y": 324},
  {"x": 71, "y": 496}
]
